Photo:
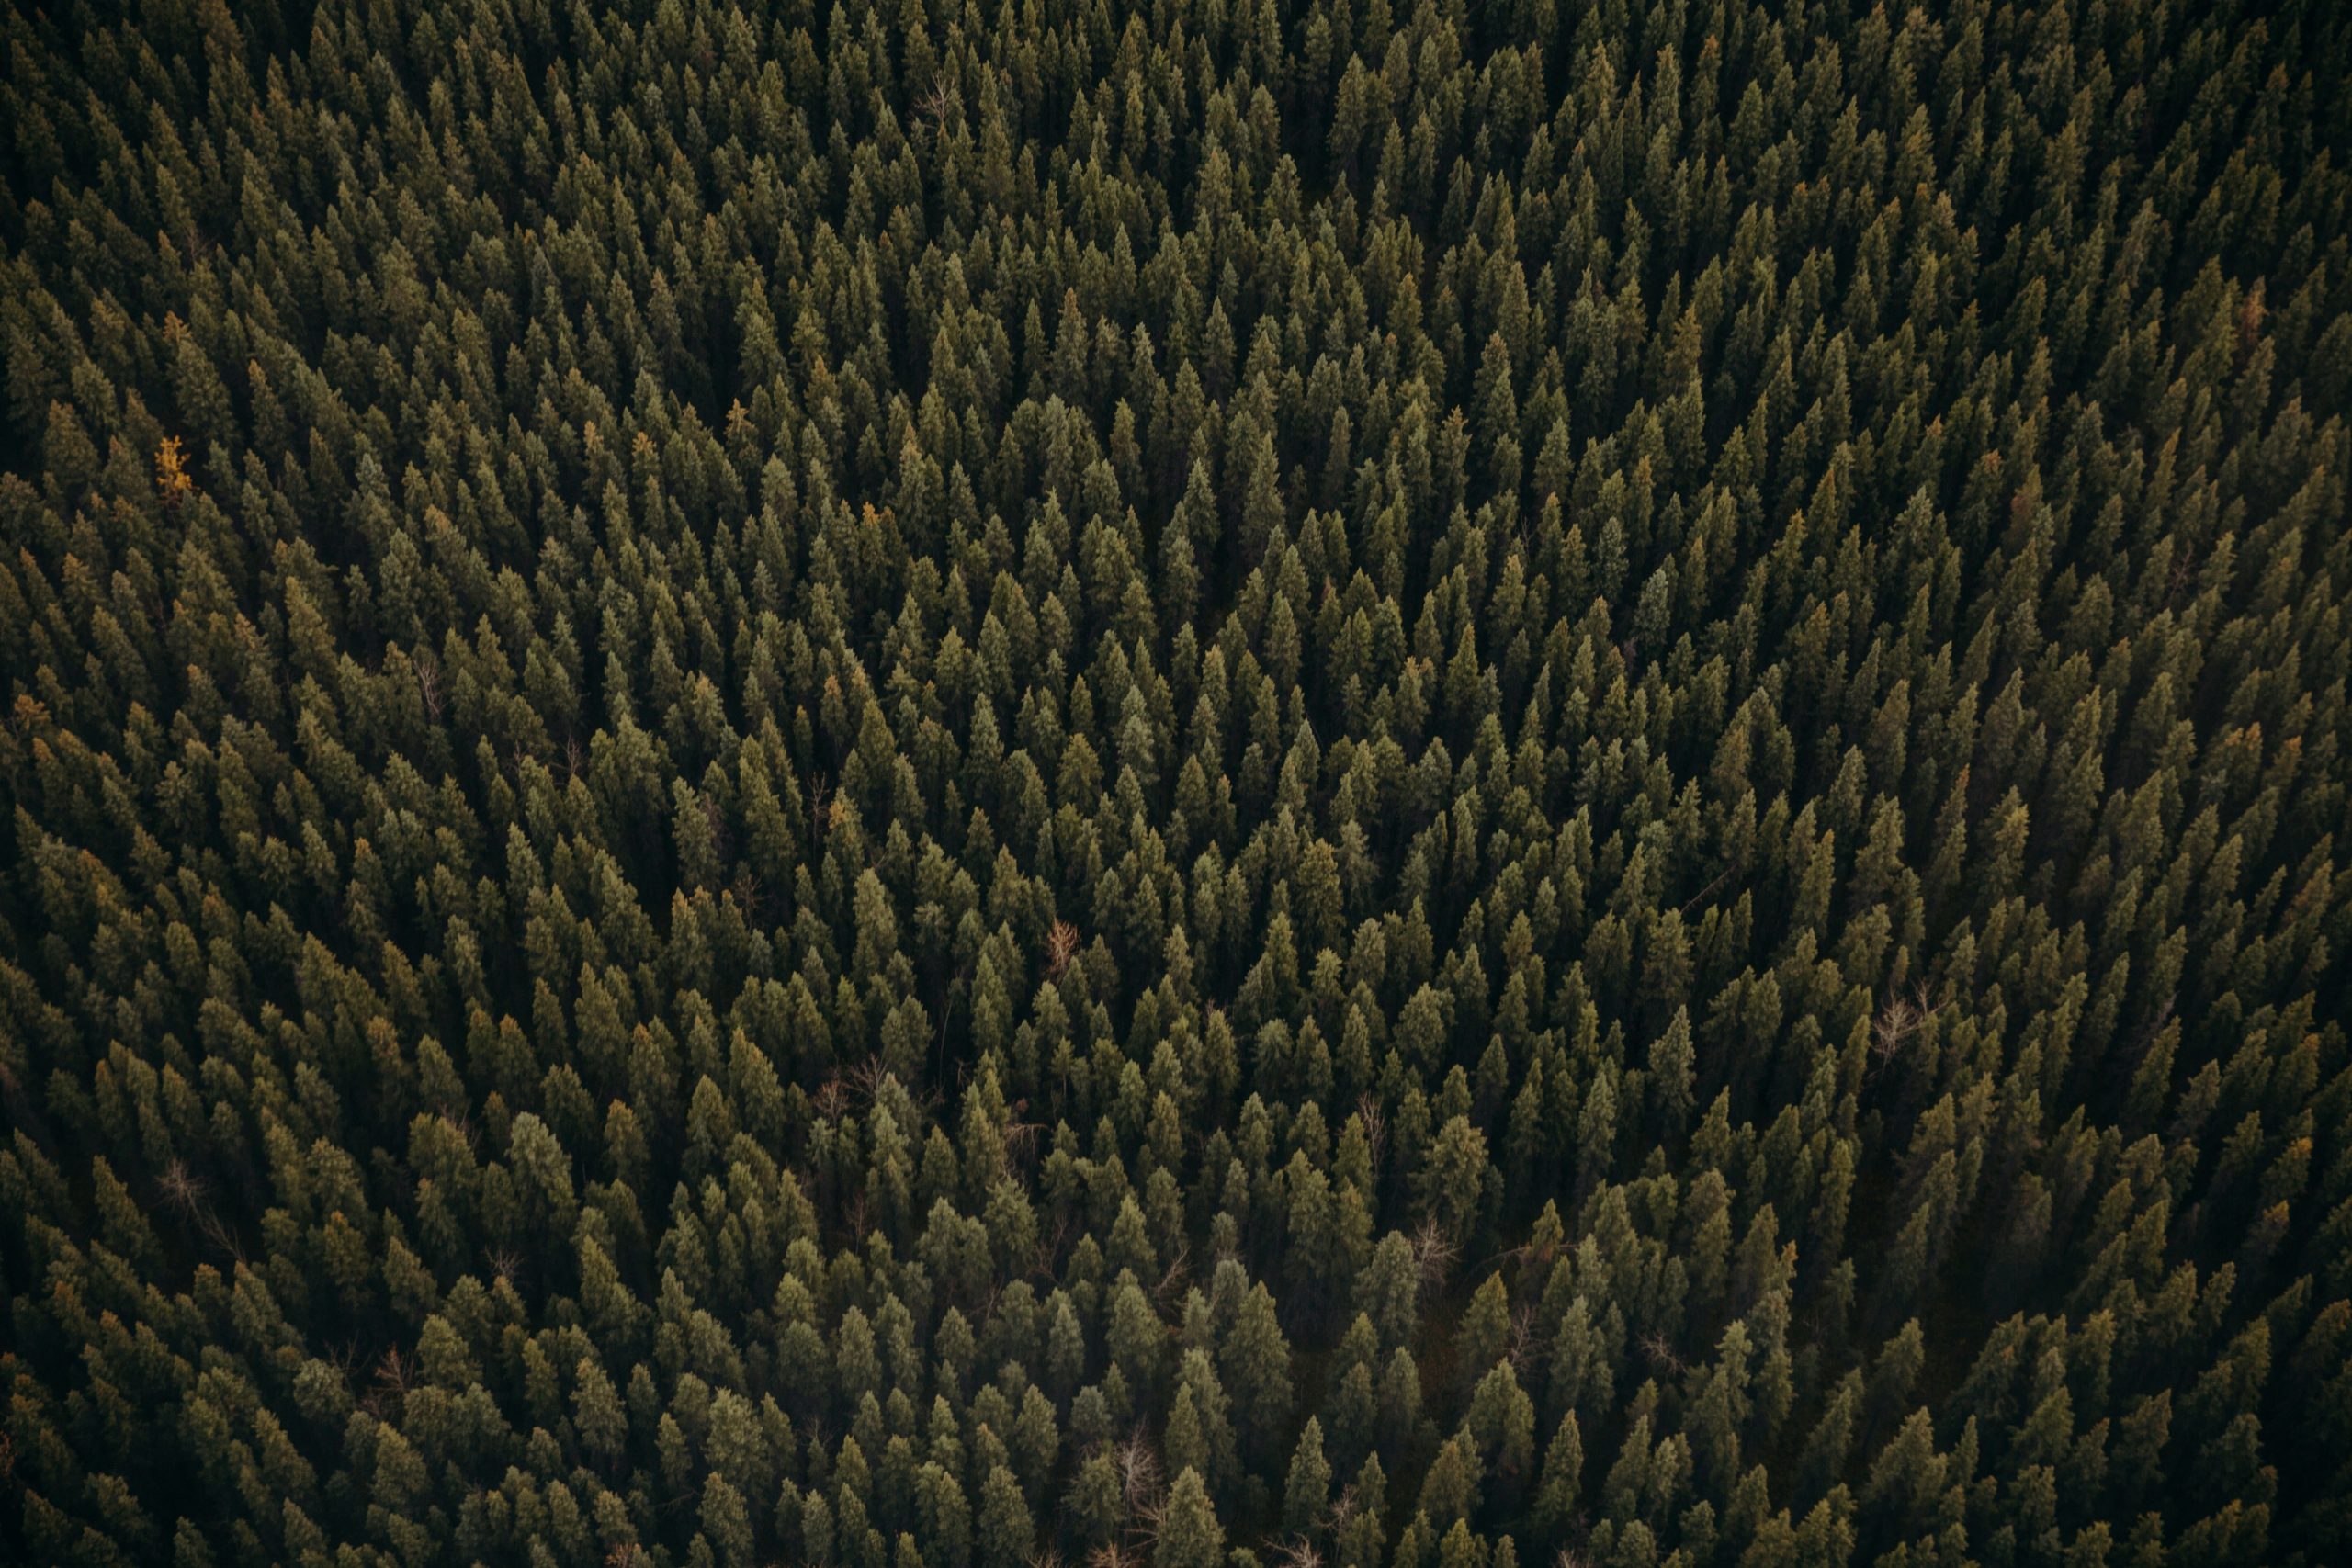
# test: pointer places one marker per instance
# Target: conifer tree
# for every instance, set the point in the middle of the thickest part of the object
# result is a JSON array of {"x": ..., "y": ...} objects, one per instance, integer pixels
[{"x": 1189, "y": 1534}]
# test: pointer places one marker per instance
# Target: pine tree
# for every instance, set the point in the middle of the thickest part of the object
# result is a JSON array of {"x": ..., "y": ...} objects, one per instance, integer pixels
[
  {"x": 1255, "y": 1358},
  {"x": 1003, "y": 1528},
  {"x": 1189, "y": 1534},
  {"x": 1309, "y": 1489}
]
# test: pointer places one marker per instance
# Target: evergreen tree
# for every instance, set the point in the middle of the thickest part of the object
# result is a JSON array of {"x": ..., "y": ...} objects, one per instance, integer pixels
[{"x": 1188, "y": 1535}]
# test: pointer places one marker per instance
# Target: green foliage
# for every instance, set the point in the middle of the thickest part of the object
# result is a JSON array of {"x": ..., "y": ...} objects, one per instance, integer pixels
[{"x": 920, "y": 786}]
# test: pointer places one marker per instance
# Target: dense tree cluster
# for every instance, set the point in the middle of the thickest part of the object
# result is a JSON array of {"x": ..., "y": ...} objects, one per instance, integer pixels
[{"x": 928, "y": 783}]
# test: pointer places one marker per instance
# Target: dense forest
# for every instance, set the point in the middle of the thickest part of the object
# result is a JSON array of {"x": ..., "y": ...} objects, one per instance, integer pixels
[{"x": 959, "y": 784}]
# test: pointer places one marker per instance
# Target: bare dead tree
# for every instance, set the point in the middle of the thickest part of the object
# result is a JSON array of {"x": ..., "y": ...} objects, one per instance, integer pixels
[
  {"x": 820, "y": 793},
  {"x": 1176, "y": 1274},
  {"x": 1900, "y": 1019},
  {"x": 393, "y": 1374},
  {"x": 1297, "y": 1551},
  {"x": 1138, "y": 1468},
  {"x": 749, "y": 896},
  {"x": 1375, "y": 1127},
  {"x": 1523, "y": 1348},
  {"x": 1020, "y": 1137},
  {"x": 507, "y": 1265},
  {"x": 181, "y": 1190},
  {"x": 1434, "y": 1255},
  {"x": 934, "y": 104},
  {"x": 428, "y": 680},
  {"x": 1061, "y": 944},
  {"x": 865, "y": 1079},
  {"x": 1049, "y": 1247},
  {"x": 185, "y": 1192}
]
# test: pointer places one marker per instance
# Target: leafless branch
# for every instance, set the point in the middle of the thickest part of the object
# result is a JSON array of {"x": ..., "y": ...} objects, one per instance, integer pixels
[
  {"x": 1138, "y": 1466},
  {"x": 393, "y": 1372},
  {"x": 1062, "y": 942},
  {"x": 935, "y": 103},
  {"x": 1021, "y": 1135},
  {"x": 1375, "y": 1127},
  {"x": 1434, "y": 1255},
  {"x": 1725, "y": 875},
  {"x": 1177, "y": 1272},
  {"x": 508, "y": 1264},
  {"x": 1900, "y": 1018},
  {"x": 1522, "y": 1348},
  {"x": 428, "y": 680},
  {"x": 183, "y": 1191},
  {"x": 750, "y": 896},
  {"x": 1298, "y": 1551}
]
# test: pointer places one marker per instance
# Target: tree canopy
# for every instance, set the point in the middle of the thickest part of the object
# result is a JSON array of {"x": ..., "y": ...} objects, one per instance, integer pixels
[{"x": 921, "y": 784}]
